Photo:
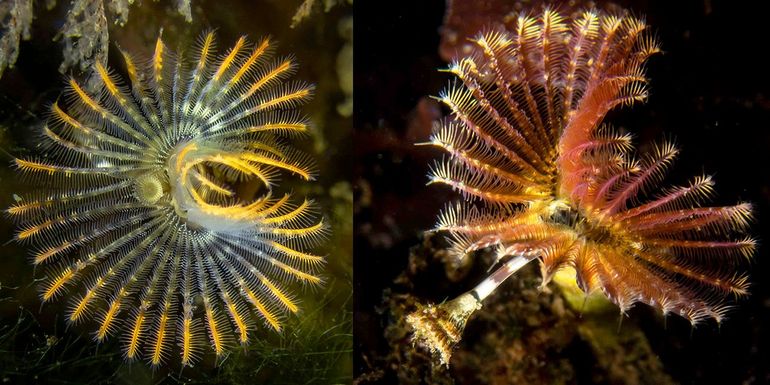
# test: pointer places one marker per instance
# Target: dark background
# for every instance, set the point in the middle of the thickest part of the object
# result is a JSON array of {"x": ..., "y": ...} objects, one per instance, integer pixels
[{"x": 710, "y": 91}]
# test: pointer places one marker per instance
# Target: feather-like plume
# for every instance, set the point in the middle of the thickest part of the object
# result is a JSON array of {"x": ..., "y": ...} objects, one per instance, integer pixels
[{"x": 548, "y": 181}]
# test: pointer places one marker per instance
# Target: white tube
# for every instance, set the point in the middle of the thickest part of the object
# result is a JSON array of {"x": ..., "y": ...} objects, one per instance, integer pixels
[{"x": 488, "y": 285}]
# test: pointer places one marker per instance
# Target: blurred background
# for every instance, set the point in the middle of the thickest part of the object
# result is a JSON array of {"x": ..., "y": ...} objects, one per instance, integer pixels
[
  {"x": 709, "y": 91},
  {"x": 53, "y": 39}
]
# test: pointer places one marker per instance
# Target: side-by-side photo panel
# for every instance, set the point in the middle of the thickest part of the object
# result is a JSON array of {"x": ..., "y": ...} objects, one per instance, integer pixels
[{"x": 468, "y": 192}]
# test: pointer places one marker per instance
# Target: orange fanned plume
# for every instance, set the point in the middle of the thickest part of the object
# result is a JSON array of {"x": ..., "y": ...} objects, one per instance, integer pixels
[{"x": 544, "y": 179}]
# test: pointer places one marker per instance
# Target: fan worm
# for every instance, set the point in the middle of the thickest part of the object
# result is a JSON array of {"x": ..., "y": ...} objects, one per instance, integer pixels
[
  {"x": 544, "y": 179},
  {"x": 162, "y": 215}
]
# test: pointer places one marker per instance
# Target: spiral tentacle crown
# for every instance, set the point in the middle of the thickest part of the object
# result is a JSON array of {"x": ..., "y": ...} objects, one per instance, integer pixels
[{"x": 162, "y": 213}]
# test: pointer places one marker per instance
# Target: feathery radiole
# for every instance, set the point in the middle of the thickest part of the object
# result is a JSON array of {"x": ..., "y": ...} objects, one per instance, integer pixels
[
  {"x": 147, "y": 219},
  {"x": 543, "y": 179}
]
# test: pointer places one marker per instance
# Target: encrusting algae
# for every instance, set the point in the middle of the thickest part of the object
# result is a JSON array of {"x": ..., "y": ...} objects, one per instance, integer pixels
[
  {"x": 545, "y": 180},
  {"x": 162, "y": 215}
]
